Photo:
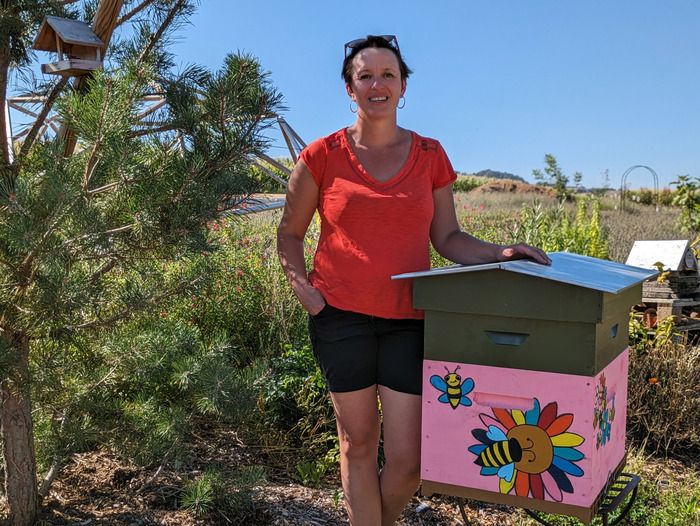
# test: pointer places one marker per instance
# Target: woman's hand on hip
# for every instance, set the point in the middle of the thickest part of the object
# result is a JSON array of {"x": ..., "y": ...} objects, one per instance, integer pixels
[{"x": 312, "y": 300}]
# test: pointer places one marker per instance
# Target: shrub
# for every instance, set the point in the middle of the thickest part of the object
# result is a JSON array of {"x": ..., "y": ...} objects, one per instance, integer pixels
[
  {"x": 664, "y": 390},
  {"x": 687, "y": 197},
  {"x": 554, "y": 230},
  {"x": 294, "y": 399},
  {"x": 466, "y": 183},
  {"x": 215, "y": 495}
]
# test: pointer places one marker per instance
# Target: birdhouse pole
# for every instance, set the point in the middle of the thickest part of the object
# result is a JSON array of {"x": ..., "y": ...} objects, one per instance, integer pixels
[{"x": 103, "y": 25}]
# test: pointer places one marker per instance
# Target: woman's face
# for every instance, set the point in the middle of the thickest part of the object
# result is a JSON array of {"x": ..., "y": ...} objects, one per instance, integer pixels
[{"x": 376, "y": 84}]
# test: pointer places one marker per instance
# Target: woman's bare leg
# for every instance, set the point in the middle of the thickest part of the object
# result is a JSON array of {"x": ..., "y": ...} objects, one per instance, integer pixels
[
  {"x": 400, "y": 475},
  {"x": 358, "y": 430}
]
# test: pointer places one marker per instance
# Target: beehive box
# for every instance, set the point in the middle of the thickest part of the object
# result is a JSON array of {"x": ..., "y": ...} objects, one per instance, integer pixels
[{"x": 525, "y": 380}]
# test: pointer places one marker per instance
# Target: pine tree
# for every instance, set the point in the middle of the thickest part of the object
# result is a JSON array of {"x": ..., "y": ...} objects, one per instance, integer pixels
[{"x": 133, "y": 194}]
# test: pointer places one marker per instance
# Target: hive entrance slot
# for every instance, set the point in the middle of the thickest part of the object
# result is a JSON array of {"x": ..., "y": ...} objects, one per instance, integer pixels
[{"x": 513, "y": 339}]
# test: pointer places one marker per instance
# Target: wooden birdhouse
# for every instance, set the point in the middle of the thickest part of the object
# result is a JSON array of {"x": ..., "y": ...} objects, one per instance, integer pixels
[
  {"x": 78, "y": 49},
  {"x": 525, "y": 380}
]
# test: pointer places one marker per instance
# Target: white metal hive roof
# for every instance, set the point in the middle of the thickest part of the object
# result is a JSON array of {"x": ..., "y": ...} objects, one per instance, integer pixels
[{"x": 574, "y": 269}]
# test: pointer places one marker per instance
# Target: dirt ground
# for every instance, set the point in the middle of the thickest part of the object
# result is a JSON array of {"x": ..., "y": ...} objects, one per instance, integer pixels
[{"x": 99, "y": 489}]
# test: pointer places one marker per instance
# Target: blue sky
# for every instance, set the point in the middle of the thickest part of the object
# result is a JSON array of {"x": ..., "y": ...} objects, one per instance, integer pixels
[{"x": 601, "y": 85}]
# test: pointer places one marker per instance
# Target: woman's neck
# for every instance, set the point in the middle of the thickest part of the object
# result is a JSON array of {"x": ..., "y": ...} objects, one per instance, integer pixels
[{"x": 375, "y": 134}]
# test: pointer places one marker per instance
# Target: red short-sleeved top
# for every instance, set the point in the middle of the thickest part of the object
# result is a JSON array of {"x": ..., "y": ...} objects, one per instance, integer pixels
[{"x": 371, "y": 230}]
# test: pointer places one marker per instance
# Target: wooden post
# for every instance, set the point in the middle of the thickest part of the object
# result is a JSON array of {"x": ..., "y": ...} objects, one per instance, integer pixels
[{"x": 103, "y": 25}]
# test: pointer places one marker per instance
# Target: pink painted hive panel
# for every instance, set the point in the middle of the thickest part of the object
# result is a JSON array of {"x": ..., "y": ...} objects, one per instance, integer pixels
[{"x": 546, "y": 436}]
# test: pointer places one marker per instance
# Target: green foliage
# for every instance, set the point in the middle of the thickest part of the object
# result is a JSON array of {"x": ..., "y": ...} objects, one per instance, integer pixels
[
  {"x": 245, "y": 293},
  {"x": 138, "y": 389},
  {"x": 294, "y": 399},
  {"x": 554, "y": 229},
  {"x": 265, "y": 183},
  {"x": 661, "y": 501},
  {"x": 215, "y": 495},
  {"x": 294, "y": 395},
  {"x": 554, "y": 177},
  {"x": 311, "y": 472},
  {"x": 467, "y": 183},
  {"x": 664, "y": 379},
  {"x": 687, "y": 197},
  {"x": 648, "y": 197}
]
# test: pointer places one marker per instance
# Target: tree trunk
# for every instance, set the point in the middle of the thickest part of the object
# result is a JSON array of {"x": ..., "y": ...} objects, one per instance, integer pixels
[
  {"x": 18, "y": 435},
  {"x": 5, "y": 140}
]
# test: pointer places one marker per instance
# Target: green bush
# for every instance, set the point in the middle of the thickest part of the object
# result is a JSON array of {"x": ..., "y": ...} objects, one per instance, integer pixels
[
  {"x": 215, "y": 495},
  {"x": 554, "y": 229},
  {"x": 467, "y": 183},
  {"x": 687, "y": 198},
  {"x": 294, "y": 400},
  {"x": 664, "y": 390}
]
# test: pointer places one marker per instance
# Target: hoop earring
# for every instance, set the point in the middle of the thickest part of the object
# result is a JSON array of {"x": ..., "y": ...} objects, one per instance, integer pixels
[
  {"x": 402, "y": 103},
  {"x": 351, "y": 108}
]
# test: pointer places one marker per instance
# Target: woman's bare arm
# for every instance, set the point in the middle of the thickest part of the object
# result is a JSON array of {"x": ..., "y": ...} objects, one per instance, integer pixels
[{"x": 301, "y": 203}]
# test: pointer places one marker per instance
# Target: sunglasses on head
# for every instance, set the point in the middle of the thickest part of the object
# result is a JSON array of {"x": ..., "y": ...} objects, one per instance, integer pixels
[{"x": 358, "y": 42}]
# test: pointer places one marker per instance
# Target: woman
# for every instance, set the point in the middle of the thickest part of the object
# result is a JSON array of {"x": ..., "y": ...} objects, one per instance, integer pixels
[{"x": 383, "y": 193}]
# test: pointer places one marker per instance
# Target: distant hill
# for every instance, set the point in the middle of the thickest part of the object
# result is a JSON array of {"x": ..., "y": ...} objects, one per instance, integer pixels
[{"x": 499, "y": 175}]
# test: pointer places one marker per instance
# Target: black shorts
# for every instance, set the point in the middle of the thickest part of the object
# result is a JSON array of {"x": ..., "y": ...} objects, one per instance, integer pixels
[{"x": 356, "y": 351}]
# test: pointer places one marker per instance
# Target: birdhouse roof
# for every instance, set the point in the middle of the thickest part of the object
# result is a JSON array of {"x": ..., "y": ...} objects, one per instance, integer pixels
[
  {"x": 672, "y": 254},
  {"x": 69, "y": 31},
  {"x": 574, "y": 269}
]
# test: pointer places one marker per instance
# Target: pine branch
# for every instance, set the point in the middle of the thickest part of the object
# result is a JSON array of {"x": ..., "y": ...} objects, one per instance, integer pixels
[
  {"x": 117, "y": 230},
  {"x": 109, "y": 265},
  {"x": 155, "y": 37},
  {"x": 41, "y": 118},
  {"x": 129, "y": 312},
  {"x": 148, "y": 131},
  {"x": 135, "y": 11}
]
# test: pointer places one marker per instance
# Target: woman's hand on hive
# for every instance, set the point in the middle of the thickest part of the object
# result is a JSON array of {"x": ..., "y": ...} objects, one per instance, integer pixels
[{"x": 523, "y": 251}]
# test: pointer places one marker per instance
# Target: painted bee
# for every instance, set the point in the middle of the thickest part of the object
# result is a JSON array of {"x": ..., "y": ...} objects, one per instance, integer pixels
[
  {"x": 454, "y": 390},
  {"x": 526, "y": 448}
]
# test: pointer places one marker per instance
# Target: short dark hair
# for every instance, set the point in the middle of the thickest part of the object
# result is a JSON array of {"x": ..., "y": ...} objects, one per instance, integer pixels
[{"x": 372, "y": 41}]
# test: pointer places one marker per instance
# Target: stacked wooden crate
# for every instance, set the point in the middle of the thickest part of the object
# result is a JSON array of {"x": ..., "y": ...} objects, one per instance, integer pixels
[{"x": 678, "y": 286}]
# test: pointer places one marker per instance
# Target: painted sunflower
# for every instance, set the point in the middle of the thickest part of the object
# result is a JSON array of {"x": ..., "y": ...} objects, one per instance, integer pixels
[{"x": 530, "y": 451}]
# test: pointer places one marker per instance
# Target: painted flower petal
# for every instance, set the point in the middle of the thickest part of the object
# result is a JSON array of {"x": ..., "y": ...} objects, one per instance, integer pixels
[
  {"x": 507, "y": 471},
  {"x": 496, "y": 434},
  {"x": 533, "y": 415},
  {"x": 547, "y": 415},
  {"x": 560, "y": 477},
  {"x": 550, "y": 486},
  {"x": 536, "y": 486},
  {"x": 518, "y": 416},
  {"x": 504, "y": 417},
  {"x": 568, "y": 453},
  {"x": 504, "y": 486},
  {"x": 488, "y": 471},
  {"x": 480, "y": 435},
  {"x": 561, "y": 424},
  {"x": 567, "y": 467},
  {"x": 567, "y": 440},
  {"x": 489, "y": 421},
  {"x": 522, "y": 484}
]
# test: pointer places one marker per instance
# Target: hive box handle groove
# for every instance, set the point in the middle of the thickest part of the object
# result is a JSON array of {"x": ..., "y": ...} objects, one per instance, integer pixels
[{"x": 514, "y": 339}]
